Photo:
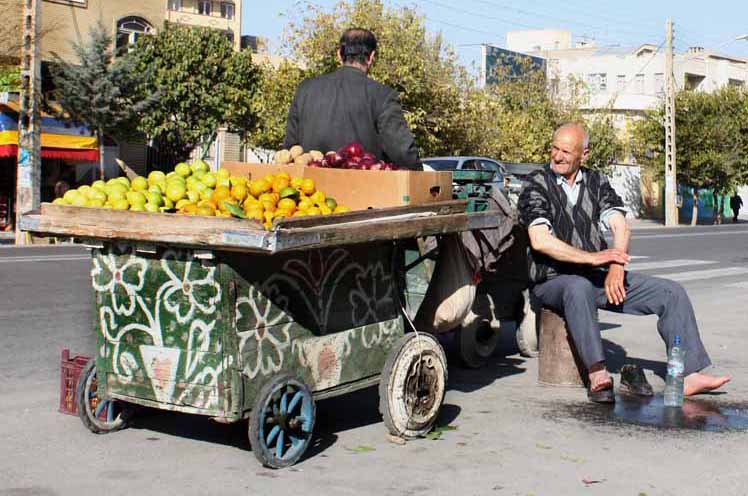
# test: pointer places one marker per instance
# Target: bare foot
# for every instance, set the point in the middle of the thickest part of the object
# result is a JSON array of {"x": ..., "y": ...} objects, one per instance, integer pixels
[
  {"x": 701, "y": 383},
  {"x": 599, "y": 377}
]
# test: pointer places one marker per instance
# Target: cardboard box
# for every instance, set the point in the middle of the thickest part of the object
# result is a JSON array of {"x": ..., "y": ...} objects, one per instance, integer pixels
[{"x": 362, "y": 189}]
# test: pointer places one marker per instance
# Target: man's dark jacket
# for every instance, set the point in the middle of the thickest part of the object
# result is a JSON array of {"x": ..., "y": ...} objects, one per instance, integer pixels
[{"x": 333, "y": 110}]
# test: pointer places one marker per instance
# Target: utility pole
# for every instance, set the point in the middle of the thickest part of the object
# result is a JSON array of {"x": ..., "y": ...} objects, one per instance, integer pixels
[
  {"x": 671, "y": 184},
  {"x": 29, "y": 122}
]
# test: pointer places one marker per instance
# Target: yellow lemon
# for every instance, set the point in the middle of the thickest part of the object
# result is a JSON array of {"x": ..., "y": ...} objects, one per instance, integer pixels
[
  {"x": 287, "y": 204},
  {"x": 307, "y": 186}
]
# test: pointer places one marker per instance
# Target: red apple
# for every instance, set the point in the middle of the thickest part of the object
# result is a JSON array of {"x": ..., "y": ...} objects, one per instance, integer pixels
[{"x": 353, "y": 150}]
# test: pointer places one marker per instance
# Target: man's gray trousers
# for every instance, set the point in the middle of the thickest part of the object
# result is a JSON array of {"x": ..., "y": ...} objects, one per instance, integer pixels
[{"x": 578, "y": 297}]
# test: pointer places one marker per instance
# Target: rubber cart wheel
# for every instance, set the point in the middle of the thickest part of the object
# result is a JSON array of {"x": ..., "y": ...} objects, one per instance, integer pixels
[
  {"x": 477, "y": 341},
  {"x": 281, "y": 423},
  {"x": 412, "y": 387},
  {"x": 98, "y": 415}
]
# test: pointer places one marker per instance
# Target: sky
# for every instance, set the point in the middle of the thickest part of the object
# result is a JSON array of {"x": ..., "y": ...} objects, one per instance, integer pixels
[{"x": 469, "y": 23}]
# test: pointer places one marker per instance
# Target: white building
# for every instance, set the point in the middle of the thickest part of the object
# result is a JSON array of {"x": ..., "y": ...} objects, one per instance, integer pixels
[{"x": 625, "y": 80}]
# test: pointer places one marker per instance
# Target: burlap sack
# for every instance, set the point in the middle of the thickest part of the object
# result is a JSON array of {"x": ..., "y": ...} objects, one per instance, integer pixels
[{"x": 451, "y": 292}]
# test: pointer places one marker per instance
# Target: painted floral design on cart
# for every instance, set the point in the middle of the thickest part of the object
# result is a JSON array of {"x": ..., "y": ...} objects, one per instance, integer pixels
[
  {"x": 107, "y": 276},
  {"x": 187, "y": 280},
  {"x": 269, "y": 338}
]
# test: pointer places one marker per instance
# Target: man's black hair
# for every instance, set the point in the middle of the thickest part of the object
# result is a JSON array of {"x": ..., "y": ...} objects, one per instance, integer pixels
[{"x": 356, "y": 45}]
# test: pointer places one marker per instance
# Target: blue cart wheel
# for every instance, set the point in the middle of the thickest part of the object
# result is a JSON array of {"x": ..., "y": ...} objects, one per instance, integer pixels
[
  {"x": 99, "y": 415},
  {"x": 282, "y": 420}
]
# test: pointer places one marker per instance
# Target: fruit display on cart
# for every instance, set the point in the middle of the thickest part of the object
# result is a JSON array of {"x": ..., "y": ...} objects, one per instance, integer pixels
[{"x": 193, "y": 189}]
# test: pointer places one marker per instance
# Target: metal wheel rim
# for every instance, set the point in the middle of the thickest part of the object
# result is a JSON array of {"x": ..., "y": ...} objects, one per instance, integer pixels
[{"x": 104, "y": 412}]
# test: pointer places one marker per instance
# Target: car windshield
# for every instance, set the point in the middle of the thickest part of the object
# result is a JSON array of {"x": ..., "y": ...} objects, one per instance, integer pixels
[{"x": 441, "y": 165}]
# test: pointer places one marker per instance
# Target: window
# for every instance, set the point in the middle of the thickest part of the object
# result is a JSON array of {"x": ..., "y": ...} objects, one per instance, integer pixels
[
  {"x": 639, "y": 84},
  {"x": 175, "y": 5},
  {"x": 597, "y": 82},
  {"x": 471, "y": 164},
  {"x": 204, "y": 8},
  {"x": 227, "y": 10},
  {"x": 621, "y": 82},
  {"x": 129, "y": 30},
  {"x": 602, "y": 82},
  {"x": 441, "y": 165},
  {"x": 659, "y": 80}
]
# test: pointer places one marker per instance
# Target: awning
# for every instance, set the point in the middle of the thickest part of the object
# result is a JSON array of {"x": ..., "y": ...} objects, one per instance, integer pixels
[{"x": 59, "y": 139}]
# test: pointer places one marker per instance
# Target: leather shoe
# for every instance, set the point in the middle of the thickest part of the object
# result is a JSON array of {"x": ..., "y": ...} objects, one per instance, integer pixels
[
  {"x": 633, "y": 381},
  {"x": 605, "y": 395}
]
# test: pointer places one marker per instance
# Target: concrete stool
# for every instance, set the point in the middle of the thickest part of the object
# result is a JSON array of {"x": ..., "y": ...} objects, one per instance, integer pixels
[{"x": 559, "y": 362}]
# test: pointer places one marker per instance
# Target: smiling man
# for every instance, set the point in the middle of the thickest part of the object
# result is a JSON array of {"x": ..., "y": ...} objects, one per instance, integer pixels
[{"x": 565, "y": 208}]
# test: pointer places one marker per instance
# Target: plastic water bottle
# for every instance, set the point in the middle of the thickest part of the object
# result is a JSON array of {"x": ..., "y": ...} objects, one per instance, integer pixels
[{"x": 674, "y": 381}]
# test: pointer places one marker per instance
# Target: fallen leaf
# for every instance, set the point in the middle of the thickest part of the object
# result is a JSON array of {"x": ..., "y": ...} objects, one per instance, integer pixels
[
  {"x": 437, "y": 432},
  {"x": 571, "y": 459},
  {"x": 361, "y": 449},
  {"x": 396, "y": 440},
  {"x": 589, "y": 482},
  {"x": 542, "y": 446}
]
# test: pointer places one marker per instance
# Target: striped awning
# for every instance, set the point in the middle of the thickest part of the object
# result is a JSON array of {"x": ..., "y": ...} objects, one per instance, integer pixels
[{"x": 59, "y": 139}]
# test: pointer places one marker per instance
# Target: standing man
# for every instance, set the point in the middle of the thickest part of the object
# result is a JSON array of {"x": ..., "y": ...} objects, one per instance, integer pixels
[
  {"x": 333, "y": 110},
  {"x": 573, "y": 271},
  {"x": 735, "y": 204}
]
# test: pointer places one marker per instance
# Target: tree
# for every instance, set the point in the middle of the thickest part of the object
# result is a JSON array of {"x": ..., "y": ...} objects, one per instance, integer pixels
[
  {"x": 202, "y": 83},
  {"x": 97, "y": 91},
  {"x": 419, "y": 66},
  {"x": 711, "y": 141}
]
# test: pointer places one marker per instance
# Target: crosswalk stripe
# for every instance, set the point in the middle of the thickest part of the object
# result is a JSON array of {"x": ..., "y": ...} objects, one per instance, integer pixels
[
  {"x": 704, "y": 274},
  {"x": 741, "y": 285},
  {"x": 667, "y": 264}
]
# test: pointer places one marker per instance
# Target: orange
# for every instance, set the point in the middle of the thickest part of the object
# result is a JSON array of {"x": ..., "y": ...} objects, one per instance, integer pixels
[
  {"x": 307, "y": 186},
  {"x": 190, "y": 209},
  {"x": 239, "y": 192},
  {"x": 280, "y": 183},
  {"x": 286, "y": 204},
  {"x": 318, "y": 198},
  {"x": 256, "y": 188},
  {"x": 221, "y": 193}
]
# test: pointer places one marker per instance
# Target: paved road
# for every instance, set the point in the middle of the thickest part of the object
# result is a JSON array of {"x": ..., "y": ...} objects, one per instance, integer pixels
[{"x": 513, "y": 437}]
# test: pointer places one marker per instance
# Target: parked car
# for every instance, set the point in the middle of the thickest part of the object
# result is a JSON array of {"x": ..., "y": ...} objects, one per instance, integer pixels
[
  {"x": 515, "y": 174},
  {"x": 467, "y": 163}
]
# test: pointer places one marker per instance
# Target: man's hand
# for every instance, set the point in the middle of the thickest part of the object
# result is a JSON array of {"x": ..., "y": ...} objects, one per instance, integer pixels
[
  {"x": 609, "y": 256},
  {"x": 614, "y": 288}
]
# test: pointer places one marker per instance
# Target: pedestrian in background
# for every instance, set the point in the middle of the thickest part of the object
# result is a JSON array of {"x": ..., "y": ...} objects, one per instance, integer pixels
[{"x": 735, "y": 204}]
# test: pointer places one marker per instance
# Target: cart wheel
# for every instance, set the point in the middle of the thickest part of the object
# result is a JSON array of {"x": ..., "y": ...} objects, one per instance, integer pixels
[
  {"x": 280, "y": 427},
  {"x": 413, "y": 384},
  {"x": 478, "y": 341},
  {"x": 99, "y": 416}
]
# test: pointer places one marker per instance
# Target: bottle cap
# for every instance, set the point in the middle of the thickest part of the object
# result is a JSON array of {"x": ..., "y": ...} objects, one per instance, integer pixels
[{"x": 676, "y": 341}]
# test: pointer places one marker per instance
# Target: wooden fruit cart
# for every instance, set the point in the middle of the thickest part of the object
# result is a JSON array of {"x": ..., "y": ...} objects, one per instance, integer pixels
[{"x": 219, "y": 317}]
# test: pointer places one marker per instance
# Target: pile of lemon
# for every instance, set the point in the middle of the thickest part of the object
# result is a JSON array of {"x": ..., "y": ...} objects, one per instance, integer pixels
[{"x": 193, "y": 189}]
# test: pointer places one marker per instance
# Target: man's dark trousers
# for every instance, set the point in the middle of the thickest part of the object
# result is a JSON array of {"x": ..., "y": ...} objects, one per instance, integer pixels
[{"x": 578, "y": 298}]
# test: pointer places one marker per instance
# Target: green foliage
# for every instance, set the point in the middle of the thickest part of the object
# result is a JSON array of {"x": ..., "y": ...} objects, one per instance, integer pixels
[
  {"x": 711, "y": 139},
  {"x": 419, "y": 66},
  {"x": 606, "y": 146},
  {"x": 10, "y": 79},
  {"x": 97, "y": 91},
  {"x": 201, "y": 83},
  {"x": 446, "y": 110}
]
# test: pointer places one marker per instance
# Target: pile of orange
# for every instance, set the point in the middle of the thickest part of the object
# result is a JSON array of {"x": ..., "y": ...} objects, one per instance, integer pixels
[{"x": 278, "y": 196}]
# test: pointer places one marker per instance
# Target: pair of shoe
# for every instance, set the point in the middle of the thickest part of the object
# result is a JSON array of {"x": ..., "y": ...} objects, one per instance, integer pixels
[{"x": 633, "y": 381}]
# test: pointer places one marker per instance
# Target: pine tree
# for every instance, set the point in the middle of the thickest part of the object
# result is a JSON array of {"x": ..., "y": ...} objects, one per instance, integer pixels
[{"x": 97, "y": 90}]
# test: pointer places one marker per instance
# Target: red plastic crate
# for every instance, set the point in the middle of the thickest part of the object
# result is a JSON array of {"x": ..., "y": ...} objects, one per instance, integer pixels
[{"x": 70, "y": 371}]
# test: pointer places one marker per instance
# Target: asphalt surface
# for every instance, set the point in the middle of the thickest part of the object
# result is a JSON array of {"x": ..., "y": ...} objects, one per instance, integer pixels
[{"x": 512, "y": 436}]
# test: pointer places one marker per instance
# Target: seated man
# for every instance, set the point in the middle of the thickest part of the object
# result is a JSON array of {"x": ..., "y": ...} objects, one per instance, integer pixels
[{"x": 572, "y": 269}]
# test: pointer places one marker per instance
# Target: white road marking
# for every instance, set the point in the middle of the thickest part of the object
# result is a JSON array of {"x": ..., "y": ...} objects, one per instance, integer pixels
[
  {"x": 53, "y": 258},
  {"x": 741, "y": 285},
  {"x": 637, "y": 257},
  {"x": 689, "y": 235},
  {"x": 667, "y": 264},
  {"x": 704, "y": 274}
]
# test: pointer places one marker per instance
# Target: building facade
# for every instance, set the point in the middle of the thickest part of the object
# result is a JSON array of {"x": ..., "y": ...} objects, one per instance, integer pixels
[
  {"x": 224, "y": 15},
  {"x": 627, "y": 81}
]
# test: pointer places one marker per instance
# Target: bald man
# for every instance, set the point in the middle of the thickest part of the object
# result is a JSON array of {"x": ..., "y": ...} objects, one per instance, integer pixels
[{"x": 564, "y": 208}]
